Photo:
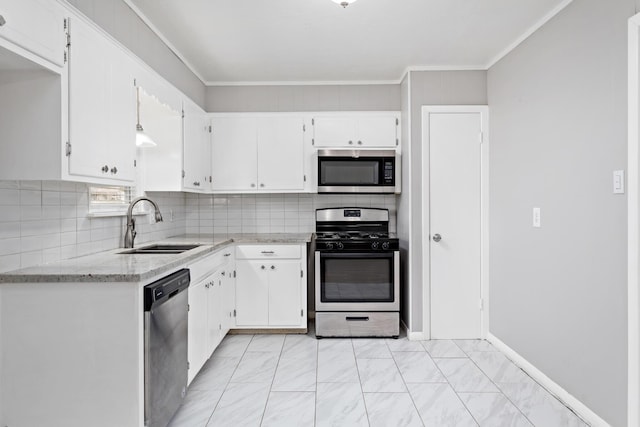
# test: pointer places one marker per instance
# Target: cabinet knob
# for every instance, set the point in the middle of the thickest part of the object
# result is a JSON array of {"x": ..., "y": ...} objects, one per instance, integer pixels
[
  {"x": 114, "y": 170},
  {"x": 2, "y": 21},
  {"x": 105, "y": 169},
  {"x": 224, "y": 273},
  {"x": 359, "y": 142},
  {"x": 263, "y": 267},
  {"x": 273, "y": 267},
  {"x": 252, "y": 185},
  {"x": 350, "y": 142},
  {"x": 196, "y": 183},
  {"x": 261, "y": 185}
]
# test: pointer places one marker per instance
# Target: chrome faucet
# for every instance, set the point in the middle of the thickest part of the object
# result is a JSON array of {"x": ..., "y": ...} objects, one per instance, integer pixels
[{"x": 130, "y": 235}]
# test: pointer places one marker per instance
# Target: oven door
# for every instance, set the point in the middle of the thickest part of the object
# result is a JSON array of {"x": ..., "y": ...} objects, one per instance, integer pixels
[{"x": 366, "y": 281}]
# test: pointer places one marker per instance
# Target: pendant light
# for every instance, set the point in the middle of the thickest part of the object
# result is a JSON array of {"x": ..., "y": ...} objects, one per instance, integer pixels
[
  {"x": 344, "y": 3},
  {"x": 142, "y": 139}
]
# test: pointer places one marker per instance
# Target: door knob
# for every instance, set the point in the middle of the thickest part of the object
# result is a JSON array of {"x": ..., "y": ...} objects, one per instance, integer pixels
[{"x": 437, "y": 237}]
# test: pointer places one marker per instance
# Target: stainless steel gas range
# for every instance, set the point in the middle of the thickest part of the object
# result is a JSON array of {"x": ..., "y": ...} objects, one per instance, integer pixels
[{"x": 357, "y": 274}]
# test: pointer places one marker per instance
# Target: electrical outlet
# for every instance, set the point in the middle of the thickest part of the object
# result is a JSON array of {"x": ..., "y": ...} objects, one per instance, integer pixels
[
  {"x": 618, "y": 182},
  {"x": 536, "y": 217}
]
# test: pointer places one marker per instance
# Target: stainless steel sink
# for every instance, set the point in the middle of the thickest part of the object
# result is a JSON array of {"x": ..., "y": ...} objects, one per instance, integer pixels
[{"x": 159, "y": 249}]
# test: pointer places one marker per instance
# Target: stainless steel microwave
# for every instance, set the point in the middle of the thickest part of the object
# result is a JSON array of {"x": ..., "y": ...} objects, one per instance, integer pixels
[{"x": 358, "y": 171}]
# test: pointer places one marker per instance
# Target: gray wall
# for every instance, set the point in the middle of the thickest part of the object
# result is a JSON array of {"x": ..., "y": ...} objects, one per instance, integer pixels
[
  {"x": 117, "y": 19},
  {"x": 430, "y": 88},
  {"x": 404, "y": 203},
  {"x": 558, "y": 123},
  {"x": 237, "y": 99}
]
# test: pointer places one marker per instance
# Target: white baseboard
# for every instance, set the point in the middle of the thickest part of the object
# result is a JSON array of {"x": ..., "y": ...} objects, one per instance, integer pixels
[
  {"x": 413, "y": 336},
  {"x": 564, "y": 396}
]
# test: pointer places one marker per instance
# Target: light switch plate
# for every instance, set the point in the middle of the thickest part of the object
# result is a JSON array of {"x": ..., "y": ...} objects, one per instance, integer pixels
[
  {"x": 536, "y": 217},
  {"x": 618, "y": 182}
]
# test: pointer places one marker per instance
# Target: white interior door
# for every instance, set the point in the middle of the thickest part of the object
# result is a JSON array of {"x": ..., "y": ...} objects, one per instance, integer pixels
[{"x": 455, "y": 223}]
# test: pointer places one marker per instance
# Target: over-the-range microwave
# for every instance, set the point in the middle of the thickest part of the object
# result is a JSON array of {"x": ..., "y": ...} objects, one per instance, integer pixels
[{"x": 359, "y": 171}]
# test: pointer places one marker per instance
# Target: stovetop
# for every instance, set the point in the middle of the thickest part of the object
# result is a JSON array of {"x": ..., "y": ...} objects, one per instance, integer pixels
[
  {"x": 354, "y": 229},
  {"x": 338, "y": 235}
]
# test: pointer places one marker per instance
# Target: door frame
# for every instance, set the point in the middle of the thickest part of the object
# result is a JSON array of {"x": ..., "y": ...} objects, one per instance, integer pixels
[
  {"x": 633, "y": 218},
  {"x": 425, "y": 180}
]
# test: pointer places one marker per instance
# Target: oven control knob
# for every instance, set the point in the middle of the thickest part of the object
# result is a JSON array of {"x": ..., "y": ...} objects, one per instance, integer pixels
[
  {"x": 329, "y": 245},
  {"x": 375, "y": 245},
  {"x": 385, "y": 245},
  {"x": 340, "y": 245}
]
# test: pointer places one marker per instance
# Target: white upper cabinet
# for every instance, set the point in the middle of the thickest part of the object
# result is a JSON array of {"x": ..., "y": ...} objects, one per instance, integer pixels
[
  {"x": 280, "y": 153},
  {"x": 36, "y": 26},
  {"x": 356, "y": 130},
  {"x": 197, "y": 148},
  {"x": 101, "y": 107},
  {"x": 258, "y": 153},
  {"x": 234, "y": 165}
]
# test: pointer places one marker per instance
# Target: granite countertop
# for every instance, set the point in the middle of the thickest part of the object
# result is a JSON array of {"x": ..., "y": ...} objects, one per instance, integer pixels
[{"x": 111, "y": 266}]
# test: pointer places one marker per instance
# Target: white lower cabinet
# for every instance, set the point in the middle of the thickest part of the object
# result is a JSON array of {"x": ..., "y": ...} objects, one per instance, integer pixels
[
  {"x": 271, "y": 286},
  {"x": 210, "y": 307}
]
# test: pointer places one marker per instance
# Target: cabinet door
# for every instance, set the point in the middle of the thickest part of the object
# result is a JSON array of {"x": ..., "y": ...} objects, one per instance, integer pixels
[
  {"x": 197, "y": 148},
  {"x": 121, "y": 146},
  {"x": 197, "y": 348},
  {"x": 101, "y": 107},
  {"x": 252, "y": 304},
  {"x": 377, "y": 131},
  {"x": 334, "y": 131},
  {"x": 280, "y": 153},
  {"x": 285, "y": 284},
  {"x": 234, "y": 162},
  {"x": 228, "y": 301},
  {"x": 35, "y": 25},
  {"x": 214, "y": 303}
]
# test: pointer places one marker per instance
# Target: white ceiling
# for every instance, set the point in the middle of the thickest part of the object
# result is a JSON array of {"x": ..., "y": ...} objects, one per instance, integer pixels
[{"x": 276, "y": 41}]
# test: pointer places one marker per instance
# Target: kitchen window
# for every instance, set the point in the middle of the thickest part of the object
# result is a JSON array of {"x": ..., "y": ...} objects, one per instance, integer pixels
[{"x": 111, "y": 200}]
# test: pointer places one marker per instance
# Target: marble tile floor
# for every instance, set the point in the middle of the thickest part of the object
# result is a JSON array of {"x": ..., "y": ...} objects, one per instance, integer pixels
[{"x": 297, "y": 381}]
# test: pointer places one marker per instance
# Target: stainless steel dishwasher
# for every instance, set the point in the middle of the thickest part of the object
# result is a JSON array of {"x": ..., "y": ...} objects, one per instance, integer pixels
[{"x": 165, "y": 347}]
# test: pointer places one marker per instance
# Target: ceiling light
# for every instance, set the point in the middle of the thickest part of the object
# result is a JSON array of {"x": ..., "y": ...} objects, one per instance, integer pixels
[
  {"x": 344, "y": 3},
  {"x": 142, "y": 139}
]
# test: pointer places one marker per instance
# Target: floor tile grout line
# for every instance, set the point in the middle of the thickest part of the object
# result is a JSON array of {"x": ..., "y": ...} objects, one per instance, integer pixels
[
  {"x": 405, "y": 382},
  {"x": 229, "y": 380},
  {"x": 451, "y": 385},
  {"x": 266, "y": 403},
  {"x": 364, "y": 402},
  {"x": 496, "y": 386}
]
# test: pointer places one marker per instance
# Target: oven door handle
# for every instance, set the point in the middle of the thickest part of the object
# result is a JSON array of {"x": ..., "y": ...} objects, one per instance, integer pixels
[{"x": 357, "y": 318}]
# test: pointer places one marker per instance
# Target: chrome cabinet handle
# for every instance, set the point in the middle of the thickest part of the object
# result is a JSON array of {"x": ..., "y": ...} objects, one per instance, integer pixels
[
  {"x": 2, "y": 21},
  {"x": 228, "y": 254},
  {"x": 196, "y": 183},
  {"x": 437, "y": 237}
]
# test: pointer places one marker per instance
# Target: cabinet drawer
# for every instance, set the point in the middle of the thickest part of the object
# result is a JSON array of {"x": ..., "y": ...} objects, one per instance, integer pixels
[
  {"x": 210, "y": 263},
  {"x": 268, "y": 251}
]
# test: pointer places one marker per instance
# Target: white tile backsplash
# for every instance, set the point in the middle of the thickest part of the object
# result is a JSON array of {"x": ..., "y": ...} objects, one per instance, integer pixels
[
  {"x": 271, "y": 213},
  {"x": 47, "y": 221}
]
